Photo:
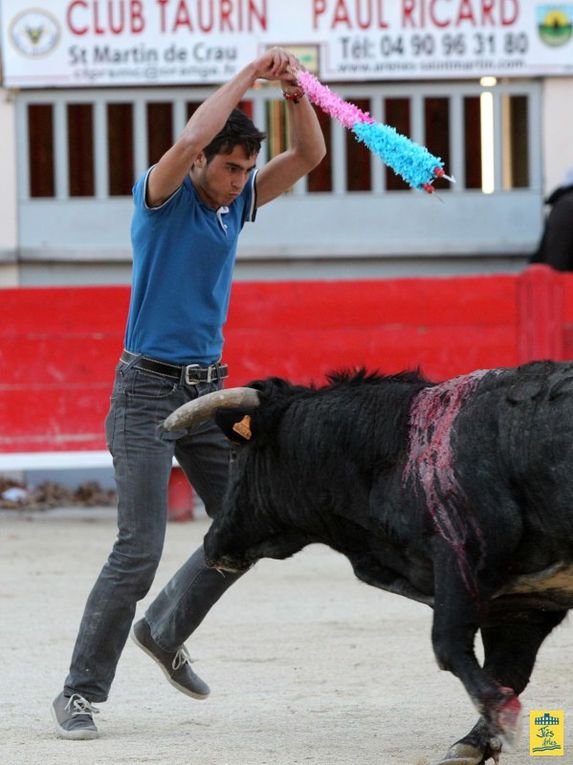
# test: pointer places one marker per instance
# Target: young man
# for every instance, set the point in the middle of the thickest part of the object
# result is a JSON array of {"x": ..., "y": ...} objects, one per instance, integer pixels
[{"x": 189, "y": 210}]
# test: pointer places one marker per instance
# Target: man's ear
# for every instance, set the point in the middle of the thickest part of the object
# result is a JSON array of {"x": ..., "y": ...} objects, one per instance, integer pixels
[
  {"x": 235, "y": 424},
  {"x": 200, "y": 160}
]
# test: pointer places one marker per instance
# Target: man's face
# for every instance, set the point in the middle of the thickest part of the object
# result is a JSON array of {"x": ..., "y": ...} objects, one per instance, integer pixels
[{"x": 220, "y": 181}]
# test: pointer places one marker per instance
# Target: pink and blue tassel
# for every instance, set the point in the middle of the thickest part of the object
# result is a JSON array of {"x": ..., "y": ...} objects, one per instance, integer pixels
[{"x": 412, "y": 162}]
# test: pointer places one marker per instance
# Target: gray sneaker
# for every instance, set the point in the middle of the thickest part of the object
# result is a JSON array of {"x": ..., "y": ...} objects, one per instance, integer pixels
[
  {"x": 73, "y": 716},
  {"x": 176, "y": 665}
]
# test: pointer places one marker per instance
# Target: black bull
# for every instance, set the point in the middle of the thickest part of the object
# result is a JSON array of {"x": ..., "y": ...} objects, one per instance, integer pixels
[{"x": 458, "y": 495}]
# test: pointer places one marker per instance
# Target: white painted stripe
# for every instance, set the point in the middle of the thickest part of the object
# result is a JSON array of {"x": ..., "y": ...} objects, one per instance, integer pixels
[
  {"x": 17, "y": 461},
  {"x": 253, "y": 206}
]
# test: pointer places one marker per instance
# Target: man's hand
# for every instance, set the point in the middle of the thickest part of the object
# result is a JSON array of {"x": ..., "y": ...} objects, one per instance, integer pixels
[{"x": 277, "y": 64}]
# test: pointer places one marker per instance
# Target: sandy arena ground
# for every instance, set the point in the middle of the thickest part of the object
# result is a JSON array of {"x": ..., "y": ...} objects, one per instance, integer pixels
[{"x": 306, "y": 664}]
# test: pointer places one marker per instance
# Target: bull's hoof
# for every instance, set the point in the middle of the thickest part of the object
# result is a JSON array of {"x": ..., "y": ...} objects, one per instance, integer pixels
[
  {"x": 463, "y": 754},
  {"x": 468, "y": 754}
]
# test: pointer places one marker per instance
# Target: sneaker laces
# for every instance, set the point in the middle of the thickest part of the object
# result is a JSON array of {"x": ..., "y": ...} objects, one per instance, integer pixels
[
  {"x": 77, "y": 705},
  {"x": 181, "y": 658}
]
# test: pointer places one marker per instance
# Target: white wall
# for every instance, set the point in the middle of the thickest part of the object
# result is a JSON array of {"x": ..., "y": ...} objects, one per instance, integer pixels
[
  {"x": 557, "y": 129},
  {"x": 557, "y": 156},
  {"x": 8, "y": 191}
]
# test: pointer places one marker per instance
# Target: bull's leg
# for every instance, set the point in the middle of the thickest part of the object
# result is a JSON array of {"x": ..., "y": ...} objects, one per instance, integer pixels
[
  {"x": 458, "y": 612},
  {"x": 510, "y": 652},
  {"x": 510, "y": 648}
]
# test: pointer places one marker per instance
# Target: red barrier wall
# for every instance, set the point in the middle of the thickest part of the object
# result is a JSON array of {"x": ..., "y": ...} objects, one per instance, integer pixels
[{"x": 59, "y": 346}]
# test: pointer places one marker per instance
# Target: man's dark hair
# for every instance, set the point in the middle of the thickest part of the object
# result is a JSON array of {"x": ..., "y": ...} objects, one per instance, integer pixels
[{"x": 237, "y": 131}]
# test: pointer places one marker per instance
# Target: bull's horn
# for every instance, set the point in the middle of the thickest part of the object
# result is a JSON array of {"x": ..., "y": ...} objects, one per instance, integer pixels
[{"x": 203, "y": 408}]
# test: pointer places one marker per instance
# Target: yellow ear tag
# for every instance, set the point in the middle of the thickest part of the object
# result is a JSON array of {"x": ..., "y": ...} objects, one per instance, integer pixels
[{"x": 243, "y": 427}]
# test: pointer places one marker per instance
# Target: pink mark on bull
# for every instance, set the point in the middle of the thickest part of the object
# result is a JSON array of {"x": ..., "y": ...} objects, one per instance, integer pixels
[
  {"x": 509, "y": 716},
  {"x": 431, "y": 462}
]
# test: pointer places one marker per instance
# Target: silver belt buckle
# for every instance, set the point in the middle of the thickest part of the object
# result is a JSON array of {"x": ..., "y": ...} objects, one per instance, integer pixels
[{"x": 189, "y": 380}]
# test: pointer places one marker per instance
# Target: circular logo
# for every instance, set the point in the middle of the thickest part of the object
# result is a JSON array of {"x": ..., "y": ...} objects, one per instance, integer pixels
[
  {"x": 35, "y": 32},
  {"x": 555, "y": 28}
]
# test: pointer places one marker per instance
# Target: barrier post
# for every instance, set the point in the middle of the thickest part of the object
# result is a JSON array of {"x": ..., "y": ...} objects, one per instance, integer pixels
[{"x": 179, "y": 497}]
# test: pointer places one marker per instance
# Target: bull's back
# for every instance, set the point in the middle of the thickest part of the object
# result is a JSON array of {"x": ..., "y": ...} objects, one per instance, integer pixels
[{"x": 514, "y": 453}]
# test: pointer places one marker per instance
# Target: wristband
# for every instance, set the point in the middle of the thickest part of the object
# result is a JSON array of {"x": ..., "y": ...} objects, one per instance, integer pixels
[{"x": 294, "y": 97}]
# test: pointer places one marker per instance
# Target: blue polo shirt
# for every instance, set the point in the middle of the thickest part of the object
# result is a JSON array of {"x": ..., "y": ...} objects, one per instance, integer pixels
[{"x": 183, "y": 258}]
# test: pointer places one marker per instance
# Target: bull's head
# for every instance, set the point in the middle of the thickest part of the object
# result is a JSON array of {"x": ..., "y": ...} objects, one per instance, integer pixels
[{"x": 249, "y": 526}]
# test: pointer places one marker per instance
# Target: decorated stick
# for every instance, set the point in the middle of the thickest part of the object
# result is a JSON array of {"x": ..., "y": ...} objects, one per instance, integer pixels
[{"x": 412, "y": 162}]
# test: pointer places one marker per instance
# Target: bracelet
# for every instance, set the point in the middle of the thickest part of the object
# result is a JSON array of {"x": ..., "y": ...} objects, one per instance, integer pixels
[{"x": 294, "y": 97}]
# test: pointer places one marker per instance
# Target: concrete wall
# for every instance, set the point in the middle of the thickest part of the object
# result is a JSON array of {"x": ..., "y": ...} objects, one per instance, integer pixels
[
  {"x": 8, "y": 192},
  {"x": 557, "y": 154},
  {"x": 557, "y": 130}
]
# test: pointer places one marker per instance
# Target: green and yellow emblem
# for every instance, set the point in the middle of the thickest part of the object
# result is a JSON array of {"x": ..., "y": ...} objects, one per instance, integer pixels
[{"x": 555, "y": 24}]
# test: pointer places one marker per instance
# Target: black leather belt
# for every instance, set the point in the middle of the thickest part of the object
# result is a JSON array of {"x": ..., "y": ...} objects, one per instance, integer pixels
[{"x": 191, "y": 374}]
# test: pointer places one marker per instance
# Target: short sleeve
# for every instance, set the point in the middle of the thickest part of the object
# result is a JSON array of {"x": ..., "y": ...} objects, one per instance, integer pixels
[
  {"x": 140, "y": 194},
  {"x": 250, "y": 212}
]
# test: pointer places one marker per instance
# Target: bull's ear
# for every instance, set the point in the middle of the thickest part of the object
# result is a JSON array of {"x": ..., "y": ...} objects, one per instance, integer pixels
[{"x": 235, "y": 424}]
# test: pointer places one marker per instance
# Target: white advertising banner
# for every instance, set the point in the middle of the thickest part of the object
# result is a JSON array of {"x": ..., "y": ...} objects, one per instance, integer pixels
[{"x": 70, "y": 43}]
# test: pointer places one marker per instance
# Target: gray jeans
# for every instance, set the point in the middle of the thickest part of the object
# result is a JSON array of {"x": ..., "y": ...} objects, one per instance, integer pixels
[{"x": 142, "y": 458}]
